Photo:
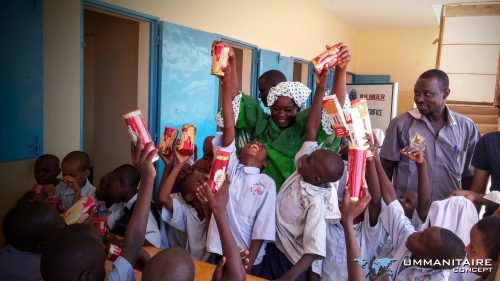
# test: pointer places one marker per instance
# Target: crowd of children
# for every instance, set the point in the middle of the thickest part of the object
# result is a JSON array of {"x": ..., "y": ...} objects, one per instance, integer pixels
[{"x": 283, "y": 211}]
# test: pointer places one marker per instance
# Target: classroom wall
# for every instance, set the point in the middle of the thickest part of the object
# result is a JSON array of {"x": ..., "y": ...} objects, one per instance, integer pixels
[
  {"x": 298, "y": 28},
  {"x": 61, "y": 88},
  {"x": 401, "y": 53}
]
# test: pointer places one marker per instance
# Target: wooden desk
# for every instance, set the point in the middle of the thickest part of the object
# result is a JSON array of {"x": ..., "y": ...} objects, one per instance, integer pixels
[{"x": 203, "y": 270}]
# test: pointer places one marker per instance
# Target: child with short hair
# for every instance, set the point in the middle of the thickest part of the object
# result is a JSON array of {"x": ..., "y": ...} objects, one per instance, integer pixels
[
  {"x": 307, "y": 199},
  {"x": 83, "y": 254},
  {"x": 123, "y": 189},
  {"x": 25, "y": 228},
  {"x": 484, "y": 244},
  {"x": 105, "y": 207},
  {"x": 46, "y": 171},
  {"x": 251, "y": 207},
  {"x": 75, "y": 170},
  {"x": 187, "y": 214},
  {"x": 434, "y": 243}
]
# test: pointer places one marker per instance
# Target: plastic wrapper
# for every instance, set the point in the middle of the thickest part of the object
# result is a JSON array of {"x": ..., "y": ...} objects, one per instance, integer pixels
[
  {"x": 327, "y": 59},
  {"x": 186, "y": 144},
  {"x": 355, "y": 127},
  {"x": 80, "y": 211},
  {"x": 362, "y": 107},
  {"x": 137, "y": 128},
  {"x": 167, "y": 140},
  {"x": 220, "y": 57},
  {"x": 112, "y": 251},
  {"x": 56, "y": 203},
  {"x": 334, "y": 111},
  {"x": 218, "y": 170},
  {"x": 356, "y": 162},
  {"x": 101, "y": 224}
]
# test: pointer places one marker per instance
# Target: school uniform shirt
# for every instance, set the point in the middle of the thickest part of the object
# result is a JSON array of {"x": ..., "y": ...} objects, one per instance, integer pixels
[
  {"x": 335, "y": 262},
  {"x": 18, "y": 265},
  {"x": 116, "y": 212},
  {"x": 185, "y": 218},
  {"x": 66, "y": 193},
  {"x": 398, "y": 226},
  {"x": 177, "y": 238},
  {"x": 122, "y": 270},
  {"x": 250, "y": 210},
  {"x": 448, "y": 153},
  {"x": 152, "y": 230}
]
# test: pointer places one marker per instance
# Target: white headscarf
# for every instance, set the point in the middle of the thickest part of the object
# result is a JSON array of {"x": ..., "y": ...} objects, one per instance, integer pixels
[{"x": 297, "y": 91}]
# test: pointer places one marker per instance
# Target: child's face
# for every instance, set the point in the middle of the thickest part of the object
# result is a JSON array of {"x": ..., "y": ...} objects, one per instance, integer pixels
[
  {"x": 114, "y": 190},
  {"x": 312, "y": 170},
  {"x": 46, "y": 171},
  {"x": 101, "y": 192},
  {"x": 191, "y": 185},
  {"x": 208, "y": 148},
  {"x": 476, "y": 248},
  {"x": 283, "y": 112},
  {"x": 73, "y": 169},
  {"x": 409, "y": 202},
  {"x": 253, "y": 153},
  {"x": 422, "y": 244}
]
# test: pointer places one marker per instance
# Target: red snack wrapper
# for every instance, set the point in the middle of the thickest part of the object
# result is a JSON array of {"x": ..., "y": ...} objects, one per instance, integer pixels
[
  {"x": 334, "y": 110},
  {"x": 112, "y": 252},
  {"x": 137, "y": 127},
  {"x": 356, "y": 161},
  {"x": 186, "y": 145},
  {"x": 362, "y": 107},
  {"x": 56, "y": 203},
  {"x": 218, "y": 170},
  {"x": 101, "y": 224},
  {"x": 220, "y": 56},
  {"x": 80, "y": 211},
  {"x": 327, "y": 59},
  {"x": 167, "y": 141}
]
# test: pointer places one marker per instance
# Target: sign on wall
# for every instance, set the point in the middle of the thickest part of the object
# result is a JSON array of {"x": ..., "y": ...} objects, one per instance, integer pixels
[{"x": 381, "y": 98}]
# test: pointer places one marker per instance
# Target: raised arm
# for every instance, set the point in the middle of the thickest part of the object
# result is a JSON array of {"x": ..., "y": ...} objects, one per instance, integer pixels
[
  {"x": 166, "y": 186},
  {"x": 351, "y": 210},
  {"x": 136, "y": 228},
  {"x": 314, "y": 117},
  {"x": 340, "y": 77},
  {"x": 229, "y": 85},
  {"x": 424, "y": 191},
  {"x": 233, "y": 268},
  {"x": 386, "y": 187},
  {"x": 373, "y": 183}
]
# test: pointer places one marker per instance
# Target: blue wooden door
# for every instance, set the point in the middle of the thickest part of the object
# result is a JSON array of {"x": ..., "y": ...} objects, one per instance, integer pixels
[
  {"x": 21, "y": 74},
  {"x": 269, "y": 60},
  {"x": 188, "y": 93}
]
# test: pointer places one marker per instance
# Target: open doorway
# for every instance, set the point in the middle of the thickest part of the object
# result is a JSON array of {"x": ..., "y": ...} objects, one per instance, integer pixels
[
  {"x": 116, "y": 80},
  {"x": 301, "y": 72}
]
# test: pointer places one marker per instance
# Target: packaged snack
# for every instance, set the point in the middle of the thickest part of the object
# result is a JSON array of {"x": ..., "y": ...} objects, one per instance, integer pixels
[
  {"x": 101, "y": 224},
  {"x": 218, "y": 170},
  {"x": 186, "y": 145},
  {"x": 334, "y": 111},
  {"x": 167, "y": 141},
  {"x": 137, "y": 127},
  {"x": 327, "y": 59},
  {"x": 112, "y": 251},
  {"x": 355, "y": 127},
  {"x": 56, "y": 203},
  {"x": 356, "y": 162},
  {"x": 362, "y": 107},
  {"x": 80, "y": 211},
  {"x": 220, "y": 56}
]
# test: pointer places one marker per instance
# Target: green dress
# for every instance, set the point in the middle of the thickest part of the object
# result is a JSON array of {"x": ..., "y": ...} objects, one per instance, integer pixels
[{"x": 281, "y": 145}]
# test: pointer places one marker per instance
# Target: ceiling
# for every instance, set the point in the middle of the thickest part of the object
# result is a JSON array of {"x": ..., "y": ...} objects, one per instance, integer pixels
[{"x": 389, "y": 14}]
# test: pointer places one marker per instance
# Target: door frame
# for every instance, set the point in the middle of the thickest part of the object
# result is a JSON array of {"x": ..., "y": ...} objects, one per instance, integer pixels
[{"x": 154, "y": 43}]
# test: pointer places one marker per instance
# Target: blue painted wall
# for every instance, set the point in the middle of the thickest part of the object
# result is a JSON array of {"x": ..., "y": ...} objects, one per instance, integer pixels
[{"x": 21, "y": 80}]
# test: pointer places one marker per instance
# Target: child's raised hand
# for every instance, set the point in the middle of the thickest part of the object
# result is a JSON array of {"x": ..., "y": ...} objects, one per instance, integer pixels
[
  {"x": 202, "y": 199},
  {"x": 322, "y": 78},
  {"x": 167, "y": 160},
  {"x": 142, "y": 160},
  {"x": 181, "y": 159},
  {"x": 49, "y": 189},
  {"x": 244, "y": 257},
  {"x": 352, "y": 209},
  {"x": 217, "y": 201},
  {"x": 72, "y": 183},
  {"x": 344, "y": 56},
  {"x": 414, "y": 154},
  {"x": 372, "y": 142}
]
